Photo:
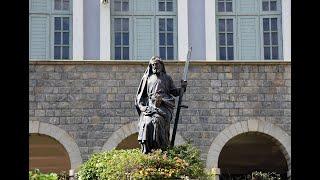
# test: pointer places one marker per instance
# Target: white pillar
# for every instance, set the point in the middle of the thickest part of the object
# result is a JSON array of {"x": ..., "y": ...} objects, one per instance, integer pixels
[
  {"x": 77, "y": 26},
  {"x": 210, "y": 20},
  {"x": 286, "y": 28},
  {"x": 105, "y": 35},
  {"x": 183, "y": 40}
]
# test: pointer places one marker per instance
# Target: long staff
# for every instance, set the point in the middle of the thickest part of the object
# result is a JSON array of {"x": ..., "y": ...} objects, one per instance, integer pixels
[{"x": 182, "y": 90}]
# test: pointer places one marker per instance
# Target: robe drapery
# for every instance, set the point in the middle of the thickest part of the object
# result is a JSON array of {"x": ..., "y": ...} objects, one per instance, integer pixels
[{"x": 154, "y": 125}]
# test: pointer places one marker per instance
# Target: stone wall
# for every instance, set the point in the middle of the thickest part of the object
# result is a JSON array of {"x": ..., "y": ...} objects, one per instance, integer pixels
[{"x": 92, "y": 99}]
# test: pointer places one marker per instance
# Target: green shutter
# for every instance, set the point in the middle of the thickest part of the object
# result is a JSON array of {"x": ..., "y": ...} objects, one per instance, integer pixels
[
  {"x": 143, "y": 6},
  {"x": 39, "y": 37},
  {"x": 248, "y": 34},
  {"x": 247, "y": 7},
  {"x": 143, "y": 38},
  {"x": 39, "y": 6}
]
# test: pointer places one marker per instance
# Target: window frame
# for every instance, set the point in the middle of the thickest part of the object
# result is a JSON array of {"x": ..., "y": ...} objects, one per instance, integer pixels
[
  {"x": 113, "y": 36},
  {"x": 155, "y": 15},
  {"x": 235, "y": 15},
  {"x": 235, "y": 39},
  {"x": 51, "y": 13},
  {"x": 62, "y": 12},
  {"x": 278, "y": 11},
  {"x": 280, "y": 37},
  {"x": 52, "y": 36},
  {"x": 167, "y": 13},
  {"x": 175, "y": 36},
  {"x": 233, "y": 12}
]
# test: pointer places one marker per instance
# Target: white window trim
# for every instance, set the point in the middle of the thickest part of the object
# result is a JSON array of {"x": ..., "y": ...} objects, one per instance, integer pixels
[
  {"x": 210, "y": 14},
  {"x": 77, "y": 34},
  {"x": 183, "y": 40},
  {"x": 105, "y": 31}
]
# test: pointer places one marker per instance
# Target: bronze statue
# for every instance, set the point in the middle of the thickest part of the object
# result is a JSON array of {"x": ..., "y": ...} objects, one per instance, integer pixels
[{"x": 155, "y": 104}]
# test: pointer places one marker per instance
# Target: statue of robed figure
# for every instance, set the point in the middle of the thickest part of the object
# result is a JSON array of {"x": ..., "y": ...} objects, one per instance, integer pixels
[{"x": 155, "y": 103}]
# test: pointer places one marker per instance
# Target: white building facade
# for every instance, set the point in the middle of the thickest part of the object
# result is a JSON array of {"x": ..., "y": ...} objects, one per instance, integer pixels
[{"x": 136, "y": 29}]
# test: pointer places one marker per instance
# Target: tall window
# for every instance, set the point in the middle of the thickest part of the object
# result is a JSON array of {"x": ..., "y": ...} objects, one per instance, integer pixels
[
  {"x": 50, "y": 29},
  {"x": 143, "y": 28},
  {"x": 121, "y": 37},
  {"x": 166, "y": 45},
  {"x": 248, "y": 29}
]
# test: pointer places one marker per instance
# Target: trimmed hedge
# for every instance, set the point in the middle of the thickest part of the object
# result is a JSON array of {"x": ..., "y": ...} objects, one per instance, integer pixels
[
  {"x": 36, "y": 174},
  {"x": 180, "y": 162}
]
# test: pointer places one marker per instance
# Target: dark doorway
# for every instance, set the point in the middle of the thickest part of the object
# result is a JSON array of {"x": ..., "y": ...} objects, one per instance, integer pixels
[
  {"x": 250, "y": 152},
  {"x": 47, "y": 154}
]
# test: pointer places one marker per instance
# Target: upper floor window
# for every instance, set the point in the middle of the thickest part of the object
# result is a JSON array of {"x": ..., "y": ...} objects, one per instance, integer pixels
[
  {"x": 50, "y": 29},
  {"x": 141, "y": 29},
  {"x": 165, "y": 5},
  {"x": 121, "y": 5},
  {"x": 269, "y": 5},
  {"x": 62, "y": 5},
  {"x": 225, "y": 5},
  {"x": 248, "y": 29}
]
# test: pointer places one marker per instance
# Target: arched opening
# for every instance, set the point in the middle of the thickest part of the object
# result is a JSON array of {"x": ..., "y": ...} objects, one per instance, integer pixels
[
  {"x": 251, "y": 151},
  {"x": 131, "y": 142},
  {"x": 47, "y": 154}
]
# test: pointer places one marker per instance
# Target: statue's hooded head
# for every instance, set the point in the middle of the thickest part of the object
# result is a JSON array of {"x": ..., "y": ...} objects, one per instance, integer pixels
[{"x": 156, "y": 65}]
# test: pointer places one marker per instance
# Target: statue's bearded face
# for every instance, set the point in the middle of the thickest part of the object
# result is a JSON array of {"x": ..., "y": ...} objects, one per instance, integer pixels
[{"x": 156, "y": 67}]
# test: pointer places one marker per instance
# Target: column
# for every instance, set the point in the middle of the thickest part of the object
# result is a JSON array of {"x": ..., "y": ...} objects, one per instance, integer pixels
[
  {"x": 183, "y": 42},
  {"x": 286, "y": 29},
  {"x": 77, "y": 26},
  {"x": 105, "y": 33},
  {"x": 210, "y": 19}
]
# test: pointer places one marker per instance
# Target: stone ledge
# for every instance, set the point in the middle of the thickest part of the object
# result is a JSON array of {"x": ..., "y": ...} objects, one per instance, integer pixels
[{"x": 144, "y": 62}]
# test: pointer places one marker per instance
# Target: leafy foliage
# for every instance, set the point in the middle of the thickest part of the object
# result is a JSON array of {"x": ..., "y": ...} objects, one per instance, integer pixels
[
  {"x": 37, "y": 175},
  {"x": 180, "y": 162}
]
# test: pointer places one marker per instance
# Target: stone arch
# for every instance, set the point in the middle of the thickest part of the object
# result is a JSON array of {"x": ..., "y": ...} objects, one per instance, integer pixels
[
  {"x": 283, "y": 139},
  {"x": 127, "y": 130},
  {"x": 62, "y": 137}
]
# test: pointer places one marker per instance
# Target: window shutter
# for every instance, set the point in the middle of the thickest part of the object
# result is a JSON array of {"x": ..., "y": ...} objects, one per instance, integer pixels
[
  {"x": 246, "y": 7},
  {"x": 39, "y": 6},
  {"x": 38, "y": 38},
  {"x": 248, "y": 30},
  {"x": 144, "y": 38},
  {"x": 143, "y": 6}
]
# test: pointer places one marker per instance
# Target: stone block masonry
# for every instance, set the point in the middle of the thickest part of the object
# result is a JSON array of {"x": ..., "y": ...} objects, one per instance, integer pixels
[{"x": 91, "y": 100}]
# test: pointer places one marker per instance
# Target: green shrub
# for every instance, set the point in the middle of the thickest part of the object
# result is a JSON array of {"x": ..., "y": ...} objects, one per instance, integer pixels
[
  {"x": 174, "y": 163},
  {"x": 63, "y": 175},
  {"x": 37, "y": 175}
]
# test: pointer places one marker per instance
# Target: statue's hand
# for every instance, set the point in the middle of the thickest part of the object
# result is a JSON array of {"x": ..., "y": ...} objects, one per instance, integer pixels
[
  {"x": 143, "y": 108},
  {"x": 184, "y": 84},
  {"x": 149, "y": 110}
]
